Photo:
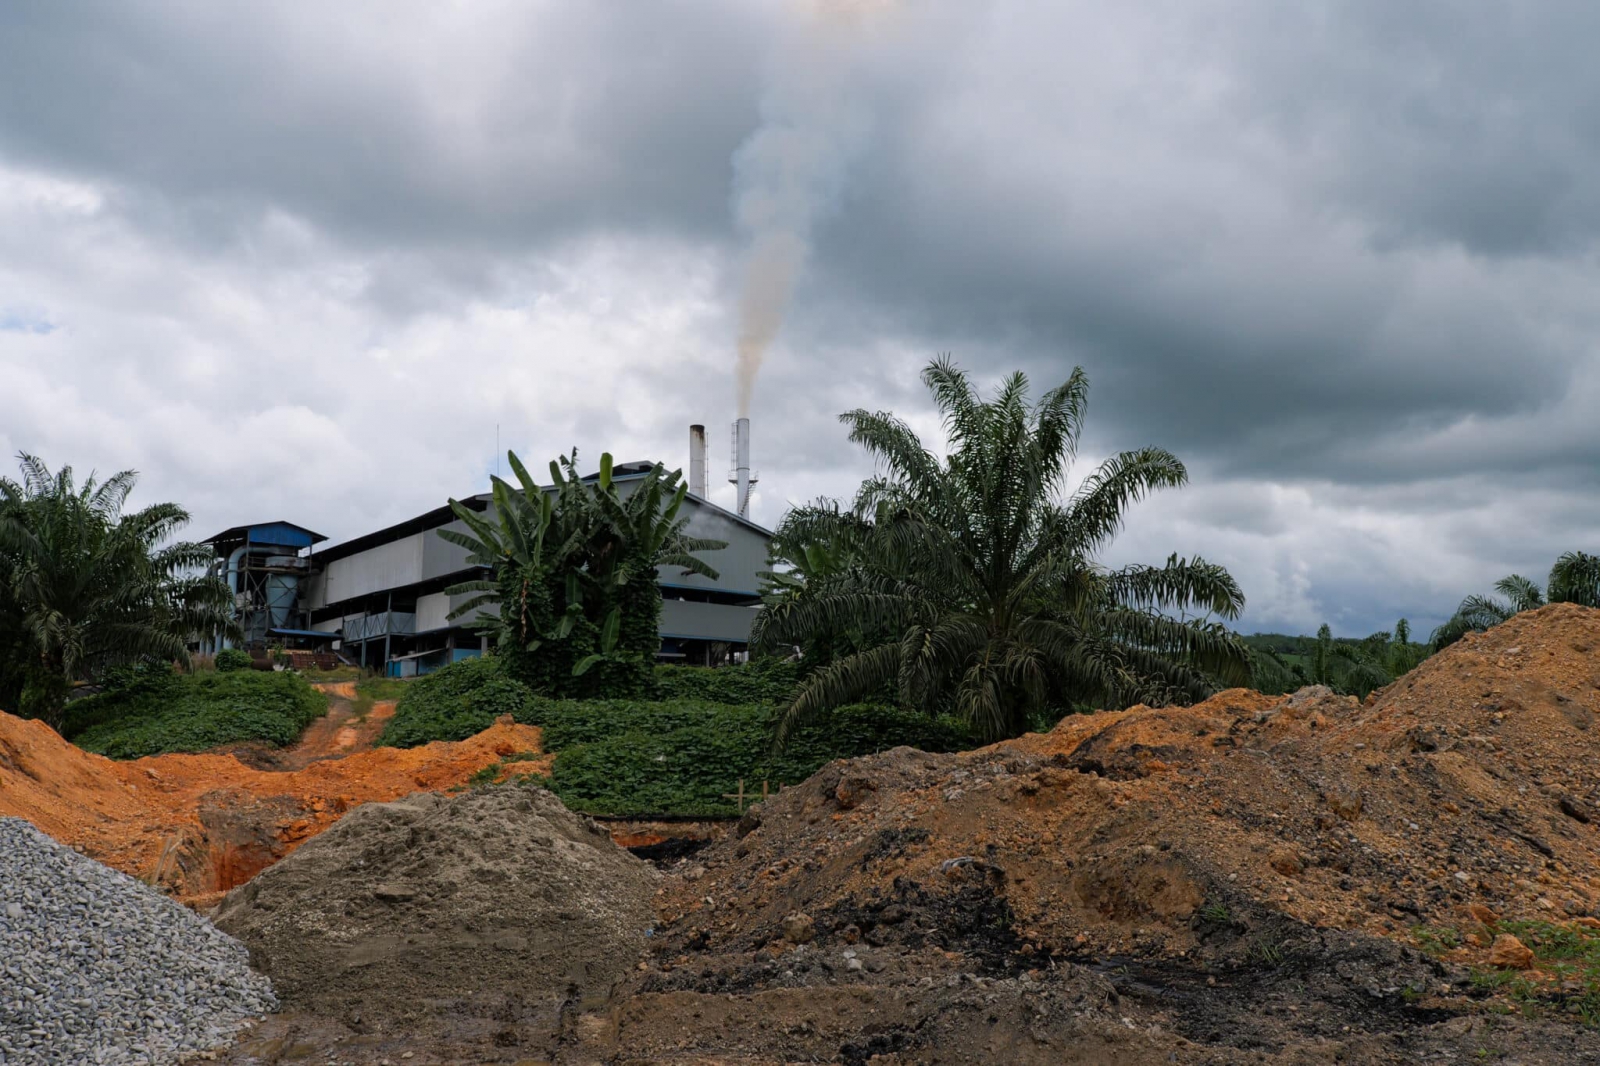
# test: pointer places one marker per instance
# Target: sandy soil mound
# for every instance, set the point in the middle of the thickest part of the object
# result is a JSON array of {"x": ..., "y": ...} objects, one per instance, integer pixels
[
  {"x": 198, "y": 825},
  {"x": 482, "y": 916},
  {"x": 1238, "y": 881}
]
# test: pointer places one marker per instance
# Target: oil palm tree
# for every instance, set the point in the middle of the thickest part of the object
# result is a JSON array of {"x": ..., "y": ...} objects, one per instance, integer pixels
[
  {"x": 972, "y": 584},
  {"x": 1477, "y": 613},
  {"x": 88, "y": 586},
  {"x": 1354, "y": 668},
  {"x": 1575, "y": 578}
]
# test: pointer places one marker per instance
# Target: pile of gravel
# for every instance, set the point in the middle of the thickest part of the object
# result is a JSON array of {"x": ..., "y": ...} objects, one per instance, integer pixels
[{"x": 96, "y": 967}]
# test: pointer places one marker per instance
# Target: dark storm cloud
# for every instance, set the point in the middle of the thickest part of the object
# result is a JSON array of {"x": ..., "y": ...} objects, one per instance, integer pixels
[
  {"x": 1480, "y": 130},
  {"x": 1338, "y": 256},
  {"x": 1223, "y": 258},
  {"x": 386, "y": 123}
]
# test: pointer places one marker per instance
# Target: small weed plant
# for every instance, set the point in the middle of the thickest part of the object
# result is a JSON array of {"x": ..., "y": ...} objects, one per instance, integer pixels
[{"x": 1565, "y": 980}]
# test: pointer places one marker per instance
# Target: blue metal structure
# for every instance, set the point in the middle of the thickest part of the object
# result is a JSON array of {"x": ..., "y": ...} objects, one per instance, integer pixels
[{"x": 262, "y": 564}]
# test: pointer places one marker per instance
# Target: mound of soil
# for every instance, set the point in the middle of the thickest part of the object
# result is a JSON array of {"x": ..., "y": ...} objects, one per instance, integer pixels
[
  {"x": 1245, "y": 880},
  {"x": 480, "y": 920},
  {"x": 197, "y": 825}
]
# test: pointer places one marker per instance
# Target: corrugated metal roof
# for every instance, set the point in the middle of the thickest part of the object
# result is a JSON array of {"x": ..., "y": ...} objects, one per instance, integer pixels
[
  {"x": 270, "y": 534},
  {"x": 440, "y": 516}
]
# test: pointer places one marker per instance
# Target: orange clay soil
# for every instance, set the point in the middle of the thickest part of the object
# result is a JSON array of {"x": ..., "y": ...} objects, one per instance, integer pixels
[
  {"x": 1220, "y": 849},
  {"x": 198, "y": 825},
  {"x": 340, "y": 732},
  {"x": 1473, "y": 780}
]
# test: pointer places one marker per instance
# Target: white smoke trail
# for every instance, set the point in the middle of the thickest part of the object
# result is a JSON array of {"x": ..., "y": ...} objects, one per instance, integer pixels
[{"x": 792, "y": 169}]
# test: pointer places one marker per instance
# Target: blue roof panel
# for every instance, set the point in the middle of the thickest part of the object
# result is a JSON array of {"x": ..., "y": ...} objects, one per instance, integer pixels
[{"x": 270, "y": 534}]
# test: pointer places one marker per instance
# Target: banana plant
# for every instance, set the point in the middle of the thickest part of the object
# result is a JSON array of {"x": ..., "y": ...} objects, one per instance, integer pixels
[
  {"x": 642, "y": 532},
  {"x": 513, "y": 543},
  {"x": 574, "y": 554},
  {"x": 610, "y": 630}
]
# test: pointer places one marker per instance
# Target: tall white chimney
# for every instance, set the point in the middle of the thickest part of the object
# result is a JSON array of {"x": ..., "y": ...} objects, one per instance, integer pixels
[
  {"x": 697, "y": 461},
  {"x": 741, "y": 474}
]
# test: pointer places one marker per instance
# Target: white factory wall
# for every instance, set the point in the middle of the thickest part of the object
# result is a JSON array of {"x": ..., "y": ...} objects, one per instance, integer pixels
[
  {"x": 385, "y": 566},
  {"x": 432, "y": 612},
  {"x": 440, "y": 556},
  {"x": 706, "y": 621}
]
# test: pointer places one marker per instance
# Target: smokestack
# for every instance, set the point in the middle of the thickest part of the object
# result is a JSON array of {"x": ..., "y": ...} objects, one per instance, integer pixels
[
  {"x": 697, "y": 461},
  {"x": 741, "y": 475}
]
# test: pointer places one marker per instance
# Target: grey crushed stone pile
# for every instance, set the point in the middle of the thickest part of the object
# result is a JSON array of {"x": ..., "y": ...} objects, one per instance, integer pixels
[{"x": 96, "y": 967}]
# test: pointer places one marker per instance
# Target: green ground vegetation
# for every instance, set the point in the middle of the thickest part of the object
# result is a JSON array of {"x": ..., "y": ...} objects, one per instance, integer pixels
[
  {"x": 761, "y": 681},
  {"x": 155, "y": 710},
  {"x": 1565, "y": 979},
  {"x": 456, "y": 702},
  {"x": 679, "y": 756},
  {"x": 686, "y": 758},
  {"x": 229, "y": 659},
  {"x": 381, "y": 688}
]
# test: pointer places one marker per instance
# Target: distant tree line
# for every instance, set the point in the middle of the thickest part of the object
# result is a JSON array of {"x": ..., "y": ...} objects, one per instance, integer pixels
[{"x": 1351, "y": 666}]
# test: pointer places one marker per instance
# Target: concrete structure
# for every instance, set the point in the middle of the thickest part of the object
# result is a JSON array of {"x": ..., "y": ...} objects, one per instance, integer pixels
[
  {"x": 740, "y": 474},
  {"x": 382, "y": 596},
  {"x": 697, "y": 461}
]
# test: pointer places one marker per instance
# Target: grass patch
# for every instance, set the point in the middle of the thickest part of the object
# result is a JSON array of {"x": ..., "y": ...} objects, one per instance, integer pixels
[
  {"x": 1436, "y": 940},
  {"x": 160, "y": 712},
  {"x": 1566, "y": 978},
  {"x": 382, "y": 688},
  {"x": 1268, "y": 952},
  {"x": 338, "y": 673}
]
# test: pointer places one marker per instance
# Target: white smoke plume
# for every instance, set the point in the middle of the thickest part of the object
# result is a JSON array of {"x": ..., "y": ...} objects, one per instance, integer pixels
[{"x": 790, "y": 172}]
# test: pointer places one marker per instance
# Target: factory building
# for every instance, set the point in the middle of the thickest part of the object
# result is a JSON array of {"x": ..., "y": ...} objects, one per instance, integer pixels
[{"x": 379, "y": 599}]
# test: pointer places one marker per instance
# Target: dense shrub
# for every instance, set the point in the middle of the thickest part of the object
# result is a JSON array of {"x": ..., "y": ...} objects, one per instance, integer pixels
[
  {"x": 762, "y": 681},
  {"x": 455, "y": 702},
  {"x": 230, "y": 659},
  {"x": 672, "y": 756},
  {"x": 159, "y": 711},
  {"x": 682, "y": 757}
]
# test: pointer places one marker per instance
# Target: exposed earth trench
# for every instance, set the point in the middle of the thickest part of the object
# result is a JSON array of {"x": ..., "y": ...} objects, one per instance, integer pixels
[
  {"x": 1255, "y": 879},
  {"x": 198, "y": 825}
]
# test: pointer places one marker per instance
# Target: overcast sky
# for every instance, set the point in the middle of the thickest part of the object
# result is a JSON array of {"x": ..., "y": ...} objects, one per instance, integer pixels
[{"x": 298, "y": 260}]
